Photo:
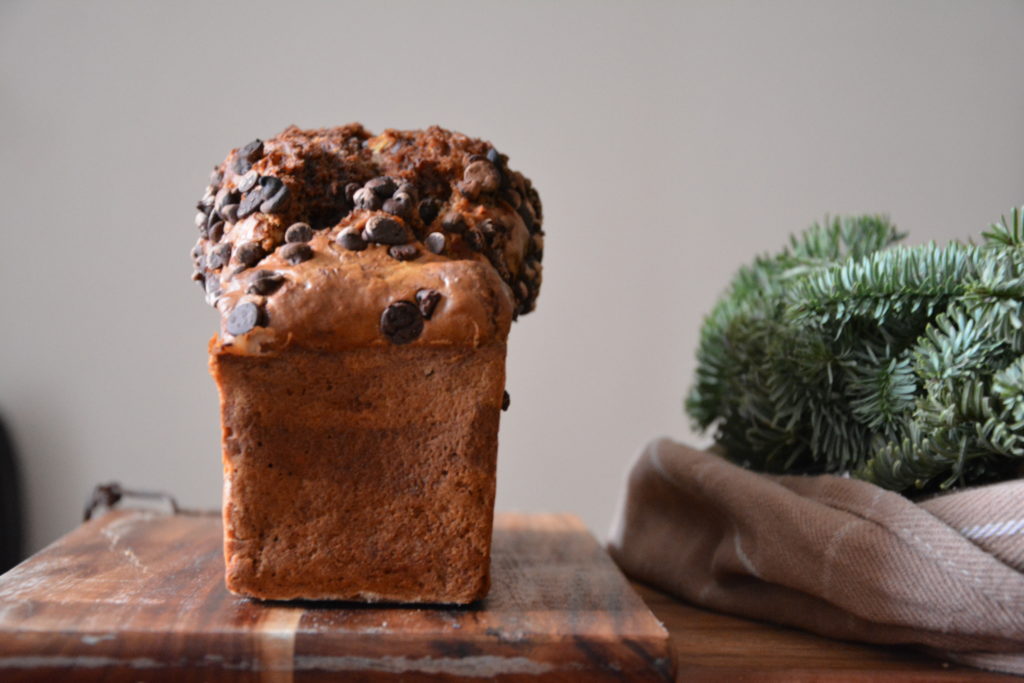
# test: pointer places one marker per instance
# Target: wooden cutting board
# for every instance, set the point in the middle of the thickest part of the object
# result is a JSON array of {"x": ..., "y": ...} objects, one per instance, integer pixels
[{"x": 140, "y": 596}]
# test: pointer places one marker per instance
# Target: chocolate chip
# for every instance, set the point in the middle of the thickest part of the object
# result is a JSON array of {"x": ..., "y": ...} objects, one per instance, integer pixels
[
  {"x": 216, "y": 176},
  {"x": 399, "y": 205},
  {"x": 365, "y": 198},
  {"x": 468, "y": 189},
  {"x": 225, "y": 198},
  {"x": 269, "y": 185},
  {"x": 212, "y": 286},
  {"x": 537, "y": 244},
  {"x": 409, "y": 189},
  {"x": 454, "y": 222},
  {"x": 351, "y": 239},
  {"x": 276, "y": 194},
  {"x": 197, "y": 276},
  {"x": 401, "y": 322},
  {"x": 211, "y": 220},
  {"x": 253, "y": 150},
  {"x": 197, "y": 252},
  {"x": 200, "y": 220},
  {"x": 206, "y": 203},
  {"x": 522, "y": 290},
  {"x": 249, "y": 254},
  {"x": 243, "y": 318},
  {"x": 216, "y": 231},
  {"x": 494, "y": 157},
  {"x": 218, "y": 256},
  {"x": 269, "y": 196},
  {"x": 230, "y": 213},
  {"x": 250, "y": 203},
  {"x": 350, "y": 192},
  {"x": 480, "y": 176},
  {"x": 536, "y": 209},
  {"x": 403, "y": 252},
  {"x": 427, "y": 300},
  {"x": 248, "y": 181},
  {"x": 247, "y": 155},
  {"x": 296, "y": 253},
  {"x": 265, "y": 282},
  {"x": 298, "y": 232},
  {"x": 531, "y": 271},
  {"x": 435, "y": 242},
  {"x": 384, "y": 230},
  {"x": 382, "y": 186},
  {"x": 429, "y": 208},
  {"x": 506, "y": 400}
]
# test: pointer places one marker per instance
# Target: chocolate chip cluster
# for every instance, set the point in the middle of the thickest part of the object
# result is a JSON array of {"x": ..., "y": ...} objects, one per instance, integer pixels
[
  {"x": 395, "y": 206},
  {"x": 221, "y": 207},
  {"x": 402, "y": 321},
  {"x": 485, "y": 178},
  {"x": 488, "y": 178},
  {"x": 400, "y": 194}
]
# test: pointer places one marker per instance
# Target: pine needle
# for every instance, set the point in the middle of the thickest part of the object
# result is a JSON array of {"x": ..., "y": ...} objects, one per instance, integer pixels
[{"x": 848, "y": 353}]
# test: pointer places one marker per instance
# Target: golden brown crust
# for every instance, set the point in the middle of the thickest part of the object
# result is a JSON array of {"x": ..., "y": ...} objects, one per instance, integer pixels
[
  {"x": 387, "y": 216},
  {"x": 360, "y": 475}
]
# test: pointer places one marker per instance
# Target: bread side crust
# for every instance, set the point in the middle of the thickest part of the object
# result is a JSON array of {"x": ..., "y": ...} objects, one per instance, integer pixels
[{"x": 360, "y": 474}]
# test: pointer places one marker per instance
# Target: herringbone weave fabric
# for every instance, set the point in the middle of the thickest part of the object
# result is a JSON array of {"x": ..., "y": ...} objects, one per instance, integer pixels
[{"x": 836, "y": 556}]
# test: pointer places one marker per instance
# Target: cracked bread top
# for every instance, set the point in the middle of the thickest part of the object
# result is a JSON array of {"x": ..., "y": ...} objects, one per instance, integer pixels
[{"x": 335, "y": 237}]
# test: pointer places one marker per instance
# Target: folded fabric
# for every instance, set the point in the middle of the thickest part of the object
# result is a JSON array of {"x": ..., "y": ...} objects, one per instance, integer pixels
[{"x": 836, "y": 556}]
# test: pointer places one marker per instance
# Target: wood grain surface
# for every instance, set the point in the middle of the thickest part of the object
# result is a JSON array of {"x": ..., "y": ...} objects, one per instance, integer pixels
[
  {"x": 140, "y": 596},
  {"x": 709, "y": 646}
]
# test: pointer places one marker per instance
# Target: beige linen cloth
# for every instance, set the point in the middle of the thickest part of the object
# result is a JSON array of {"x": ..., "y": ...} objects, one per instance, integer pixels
[{"x": 840, "y": 557}]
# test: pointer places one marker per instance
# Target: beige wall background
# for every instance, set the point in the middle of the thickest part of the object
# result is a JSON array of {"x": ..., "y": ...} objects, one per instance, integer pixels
[{"x": 670, "y": 143}]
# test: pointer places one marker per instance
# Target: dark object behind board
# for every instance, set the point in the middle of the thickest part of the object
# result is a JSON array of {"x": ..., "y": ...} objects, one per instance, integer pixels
[{"x": 11, "y": 523}]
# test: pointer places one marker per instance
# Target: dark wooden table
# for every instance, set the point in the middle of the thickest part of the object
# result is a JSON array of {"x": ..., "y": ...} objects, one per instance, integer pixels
[{"x": 709, "y": 646}]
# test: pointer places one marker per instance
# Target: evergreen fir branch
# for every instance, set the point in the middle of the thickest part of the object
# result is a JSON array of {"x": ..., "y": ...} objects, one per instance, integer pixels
[
  {"x": 968, "y": 441},
  {"x": 1008, "y": 233},
  {"x": 896, "y": 463},
  {"x": 968, "y": 422},
  {"x": 844, "y": 353},
  {"x": 887, "y": 284},
  {"x": 754, "y": 302},
  {"x": 882, "y": 388},
  {"x": 1001, "y": 277},
  {"x": 1008, "y": 387},
  {"x": 842, "y": 238},
  {"x": 961, "y": 342}
]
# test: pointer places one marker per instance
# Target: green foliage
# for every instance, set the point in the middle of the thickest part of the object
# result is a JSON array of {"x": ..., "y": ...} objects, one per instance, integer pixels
[{"x": 848, "y": 353}]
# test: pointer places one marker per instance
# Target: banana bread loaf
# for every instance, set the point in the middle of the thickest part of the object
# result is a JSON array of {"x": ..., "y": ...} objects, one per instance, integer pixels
[{"x": 366, "y": 286}]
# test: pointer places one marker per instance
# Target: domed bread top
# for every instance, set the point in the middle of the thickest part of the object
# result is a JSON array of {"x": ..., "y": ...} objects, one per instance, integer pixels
[{"x": 313, "y": 236}]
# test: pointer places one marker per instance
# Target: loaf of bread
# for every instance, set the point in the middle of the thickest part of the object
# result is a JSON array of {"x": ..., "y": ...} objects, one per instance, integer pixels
[{"x": 366, "y": 286}]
